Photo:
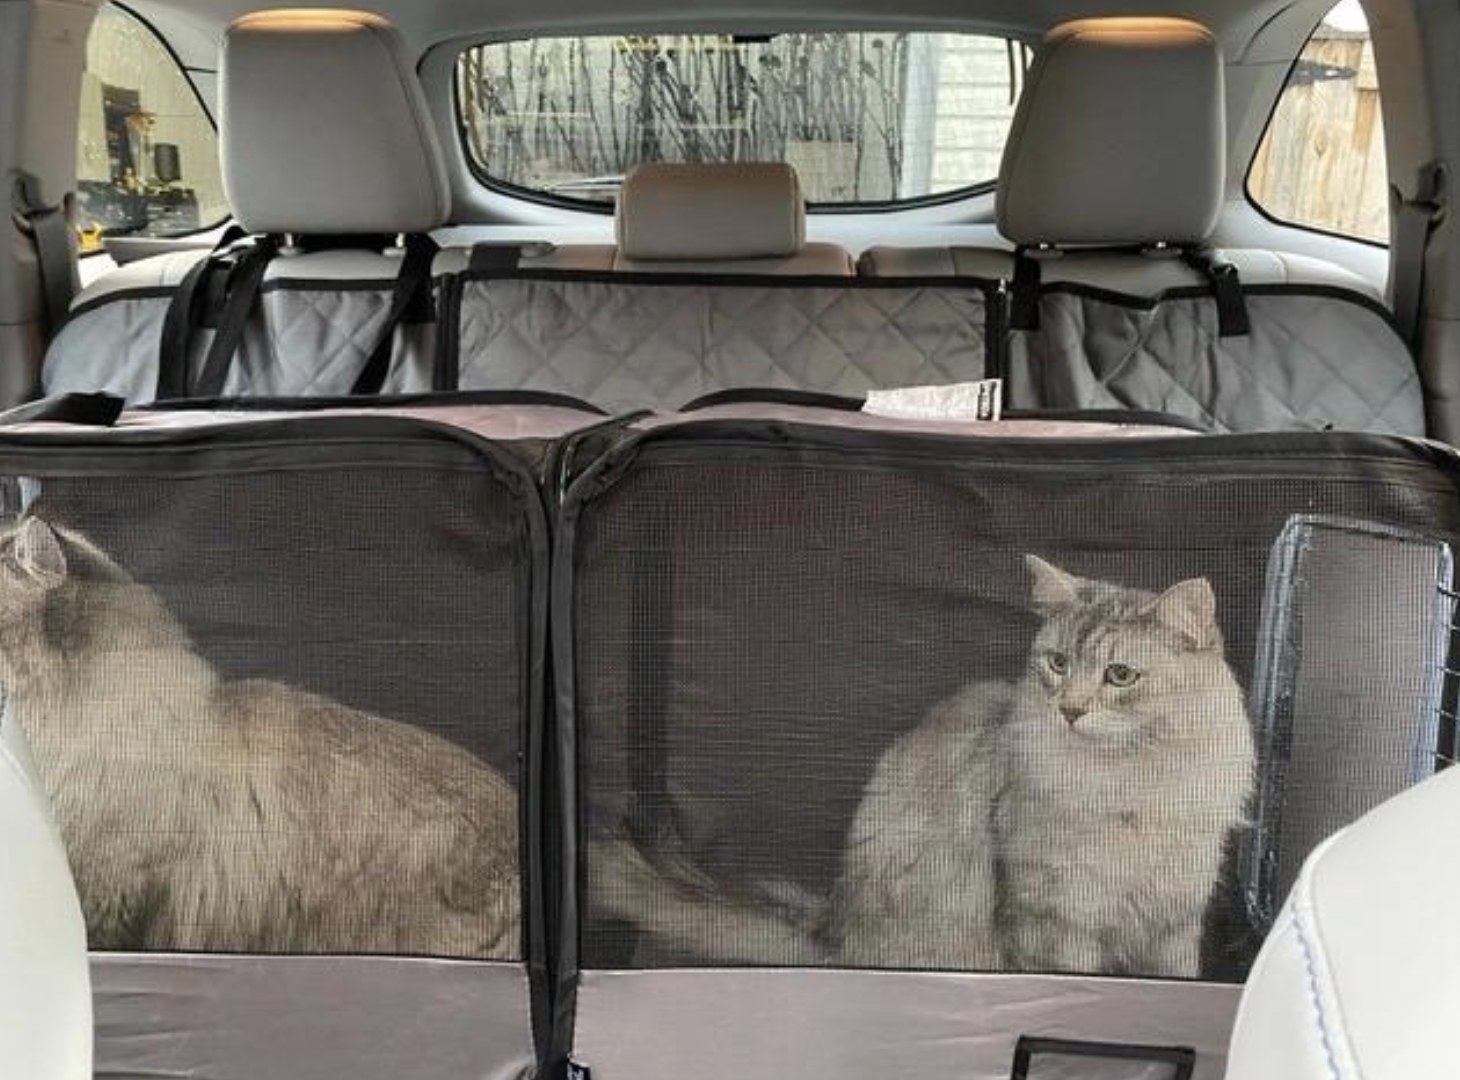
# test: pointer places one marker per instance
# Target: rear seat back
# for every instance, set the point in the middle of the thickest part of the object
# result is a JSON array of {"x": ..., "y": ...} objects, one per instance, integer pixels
[
  {"x": 1110, "y": 189},
  {"x": 326, "y": 144},
  {"x": 712, "y": 287}
]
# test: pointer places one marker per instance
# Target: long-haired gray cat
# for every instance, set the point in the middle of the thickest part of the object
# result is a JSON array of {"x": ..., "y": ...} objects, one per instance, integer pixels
[
  {"x": 1074, "y": 820},
  {"x": 206, "y": 814}
]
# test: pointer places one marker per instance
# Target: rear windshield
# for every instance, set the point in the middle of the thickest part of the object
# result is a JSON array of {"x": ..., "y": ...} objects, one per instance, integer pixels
[{"x": 865, "y": 118}]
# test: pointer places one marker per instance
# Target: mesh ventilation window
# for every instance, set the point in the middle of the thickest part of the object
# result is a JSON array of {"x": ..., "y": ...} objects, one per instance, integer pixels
[
  {"x": 280, "y": 707},
  {"x": 830, "y": 712}
]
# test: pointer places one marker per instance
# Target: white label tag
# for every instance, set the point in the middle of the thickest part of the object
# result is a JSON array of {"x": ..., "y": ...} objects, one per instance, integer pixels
[{"x": 979, "y": 401}]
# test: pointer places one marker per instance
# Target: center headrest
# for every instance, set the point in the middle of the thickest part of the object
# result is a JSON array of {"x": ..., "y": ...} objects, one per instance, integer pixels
[
  {"x": 1119, "y": 137},
  {"x": 711, "y": 212},
  {"x": 325, "y": 127}
]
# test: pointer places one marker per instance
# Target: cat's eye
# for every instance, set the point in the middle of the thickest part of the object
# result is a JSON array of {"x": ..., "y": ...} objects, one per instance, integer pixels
[
  {"x": 1121, "y": 675},
  {"x": 1058, "y": 662}
]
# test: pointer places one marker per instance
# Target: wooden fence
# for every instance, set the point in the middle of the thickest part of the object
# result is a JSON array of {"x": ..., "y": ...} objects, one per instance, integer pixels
[{"x": 1322, "y": 160}]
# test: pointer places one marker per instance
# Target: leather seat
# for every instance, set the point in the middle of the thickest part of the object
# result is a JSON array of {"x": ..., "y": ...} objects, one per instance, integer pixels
[
  {"x": 45, "y": 986},
  {"x": 1360, "y": 977}
]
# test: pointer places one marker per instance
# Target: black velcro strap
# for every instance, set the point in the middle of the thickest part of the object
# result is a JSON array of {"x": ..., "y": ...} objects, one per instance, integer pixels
[
  {"x": 1232, "y": 320},
  {"x": 174, "y": 357},
  {"x": 1024, "y": 293},
  {"x": 88, "y": 410},
  {"x": 177, "y": 332},
  {"x": 245, "y": 280},
  {"x": 494, "y": 258},
  {"x": 411, "y": 294}
]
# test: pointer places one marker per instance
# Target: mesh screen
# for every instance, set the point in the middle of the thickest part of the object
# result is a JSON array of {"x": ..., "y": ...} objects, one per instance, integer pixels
[
  {"x": 830, "y": 711},
  {"x": 278, "y": 709}
]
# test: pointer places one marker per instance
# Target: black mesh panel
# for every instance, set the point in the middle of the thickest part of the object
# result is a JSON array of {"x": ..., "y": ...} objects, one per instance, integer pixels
[
  {"x": 759, "y": 621},
  {"x": 285, "y": 697}
]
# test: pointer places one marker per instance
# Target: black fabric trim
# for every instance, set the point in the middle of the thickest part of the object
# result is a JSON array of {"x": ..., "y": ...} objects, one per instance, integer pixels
[
  {"x": 426, "y": 399},
  {"x": 1182, "y": 1059},
  {"x": 772, "y": 395},
  {"x": 446, "y": 370},
  {"x": 841, "y": 403},
  {"x": 141, "y": 292},
  {"x": 1139, "y": 417},
  {"x": 1287, "y": 453},
  {"x": 1198, "y": 292},
  {"x": 1024, "y": 292},
  {"x": 90, "y": 410},
  {"x": 697, "y": 279}
]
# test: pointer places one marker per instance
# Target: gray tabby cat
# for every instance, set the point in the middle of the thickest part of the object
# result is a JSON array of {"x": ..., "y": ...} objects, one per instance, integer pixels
[
  {"x": 1072, "y": 821},
  {"x": 204, "y": 814}
]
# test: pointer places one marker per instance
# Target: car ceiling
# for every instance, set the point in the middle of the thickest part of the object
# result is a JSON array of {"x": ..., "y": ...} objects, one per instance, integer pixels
[{"x": 193, "y": 27}]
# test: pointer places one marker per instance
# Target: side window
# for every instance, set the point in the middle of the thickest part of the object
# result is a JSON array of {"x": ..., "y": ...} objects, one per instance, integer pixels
[
  {"x": 1321, "y": 163},
  {"x": 146, "y": 153}
]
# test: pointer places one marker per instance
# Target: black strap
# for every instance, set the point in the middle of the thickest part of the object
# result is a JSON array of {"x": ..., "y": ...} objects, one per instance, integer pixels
[
  {"x": 245, "y": 279},
  {"x": 89, "y": 410},
  {"x": 1024, "y": 293},
  {"x": 494, "y": 258},
  {"x": 174, "y": 359},
  {"x": 1232, "y": 320},
  {"x": 412, "y": 292},
  {"x": 49, "y": 229},
  {"x": 1414, "y": 220}
]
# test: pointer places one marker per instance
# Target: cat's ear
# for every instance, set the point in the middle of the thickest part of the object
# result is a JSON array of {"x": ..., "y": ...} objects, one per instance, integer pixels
[
  {"x": 1190, "y": 609},
  {"x": 38, "y": 553},
  {"x": 1053, "y": 588}
]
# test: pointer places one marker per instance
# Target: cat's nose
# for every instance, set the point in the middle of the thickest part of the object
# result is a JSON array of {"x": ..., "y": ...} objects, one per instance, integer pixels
[{"x": 1072, "y": 713}]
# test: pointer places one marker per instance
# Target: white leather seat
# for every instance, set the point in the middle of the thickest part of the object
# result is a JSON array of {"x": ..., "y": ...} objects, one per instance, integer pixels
[
  {"x": 1360, "y": 977},
  {"x": 45, "y": 987}
]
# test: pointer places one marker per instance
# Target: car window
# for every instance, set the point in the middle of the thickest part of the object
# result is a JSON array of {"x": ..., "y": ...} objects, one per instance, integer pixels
[
  {"x": 147, "y": 152},
  {"x": 865, "y": 118},
  {"x": 1321, "y": 163}
]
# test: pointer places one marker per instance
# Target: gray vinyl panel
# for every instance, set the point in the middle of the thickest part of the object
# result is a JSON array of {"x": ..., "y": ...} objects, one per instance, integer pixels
[
  {"x": 629, "y": 344},
  {"x": 309, "y": 1018},
  {"x": 864, "y": 1025}
]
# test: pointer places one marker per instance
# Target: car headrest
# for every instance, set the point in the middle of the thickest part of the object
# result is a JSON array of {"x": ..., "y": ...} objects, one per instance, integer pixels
[
  {"x": 1119, "y": 137},
  {"x": 711, "y": 212},
  {"x": 325, "y": 127}
]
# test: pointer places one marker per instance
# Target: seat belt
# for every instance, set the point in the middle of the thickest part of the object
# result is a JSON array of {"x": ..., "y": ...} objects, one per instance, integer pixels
[
  {"x": 1414, "y": 220},
  {"x": 49, "y": 229}
]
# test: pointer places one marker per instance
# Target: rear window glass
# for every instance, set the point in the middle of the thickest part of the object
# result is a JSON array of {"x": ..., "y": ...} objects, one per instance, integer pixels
[{"x": 865, "y": 118}]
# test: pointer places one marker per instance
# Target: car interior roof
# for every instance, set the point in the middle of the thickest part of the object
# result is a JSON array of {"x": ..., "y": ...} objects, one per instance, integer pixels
[{"x": 193, "y": 27}]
